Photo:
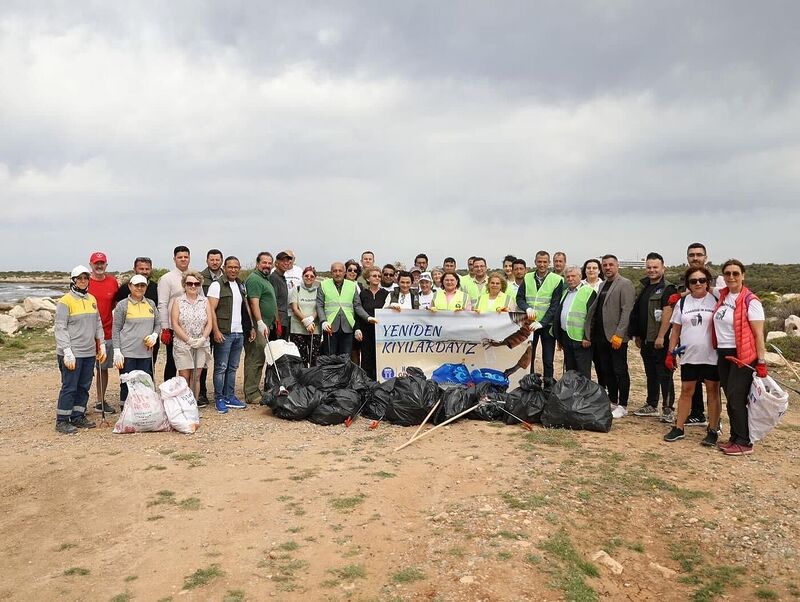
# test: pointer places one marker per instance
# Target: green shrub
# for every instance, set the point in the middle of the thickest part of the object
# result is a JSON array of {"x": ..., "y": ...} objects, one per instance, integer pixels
[{"x": 789, "y": 346}]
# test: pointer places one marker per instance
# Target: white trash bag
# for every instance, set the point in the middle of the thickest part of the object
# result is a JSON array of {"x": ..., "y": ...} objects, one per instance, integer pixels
[
  {"x": 766, "y": 403},
  {"x": 143, "y": 410},
  {"x": 279, "y": 348},
  {"x": 180, "y": 405}
]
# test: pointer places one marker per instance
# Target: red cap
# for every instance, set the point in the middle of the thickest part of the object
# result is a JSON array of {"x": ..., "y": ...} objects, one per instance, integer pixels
[{"x": 98, "y": 256}]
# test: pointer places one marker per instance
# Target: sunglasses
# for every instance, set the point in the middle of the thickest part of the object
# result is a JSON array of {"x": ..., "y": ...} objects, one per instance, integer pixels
[
  {"x": 192, "y": 283},
  {"x": 730, "y": 274},
  {"x": 698, "y": 280},
  {"x": 352, "y": 270},
  {"x": 389, "y": 274}
]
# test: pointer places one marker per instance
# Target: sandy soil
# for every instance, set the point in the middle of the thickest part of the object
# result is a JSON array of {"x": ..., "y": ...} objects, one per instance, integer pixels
[{"x": 477, "y": 511}]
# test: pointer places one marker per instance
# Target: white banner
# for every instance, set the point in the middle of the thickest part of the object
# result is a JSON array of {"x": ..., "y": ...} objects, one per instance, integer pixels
[{"x": 427, "y": 340}]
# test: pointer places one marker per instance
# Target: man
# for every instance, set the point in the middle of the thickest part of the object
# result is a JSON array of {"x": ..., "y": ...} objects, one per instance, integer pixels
[
  {"x": 518, "y": 270},
  {"x": 449, "y": 265},
  {"x": 264, "y": 309},
  {"x": 210, "y": 274},
  {"x": 338, "y": 304},
  {"x": 169, "y": 288},
  {"x": 559, "y": 262},
  {"x": 293, "y": 274},
  {"x": 421, "y": 262},
  {"x": 415, "y": 275},
  {"x": 538, "y": 296},
  {"x": 367, "y": 262},
  {"x": 477, "y": 284},
  {"x": 104, "y": 289},
  {"x": 142, "y": 266},
  {"x": 607, "y": 325},
  {"x": 569, "y": 325},
  {"x": 283, "y": 262},
  {"x": 387, "y": 278},
  {"x": 231, "y": 323},
  {"x": 649, "y": 327}
]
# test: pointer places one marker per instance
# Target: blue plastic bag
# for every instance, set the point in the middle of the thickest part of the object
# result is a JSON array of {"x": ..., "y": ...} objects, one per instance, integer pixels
[
  {"x": 452, "y": 373},
  {"x": 488, "y": 375}
]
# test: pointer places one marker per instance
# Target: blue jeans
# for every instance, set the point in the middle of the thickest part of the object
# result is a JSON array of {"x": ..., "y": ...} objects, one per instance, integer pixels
[
  {"x": 226, "y": 362},
  {"x": 145, "y": 364},
  {"x": 75, "y": 387}
]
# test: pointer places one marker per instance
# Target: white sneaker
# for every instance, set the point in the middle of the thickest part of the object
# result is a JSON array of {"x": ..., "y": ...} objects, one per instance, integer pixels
[{"x": 619, "y": 412}]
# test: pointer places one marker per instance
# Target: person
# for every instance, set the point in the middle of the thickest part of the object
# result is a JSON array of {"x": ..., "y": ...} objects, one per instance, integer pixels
[
  {"x": 649, "y": 328},
  {"x": 387, "y": 278},
  {"x": 738, "y": 333},
  {"x": 415, "y": 276},
  {"x": 449, "y": 265},
  {"x": 466, "y": 279},
  {"x": 518, "y": 270},
  {"x": 403, "y": 297},
  {"x": 211, "y": 273},
  {"x": 569, "y": 325},
  {"x": 263, "y": 310},
  {"x": 169, "y": 287},
  {"x": 191, "y": 321},
  {"x": 367, "y": 262},
  {"x": 476, "y": 285},
  {"x": 143, "y": 266},
  {"x": 436, "y": 275},
  {"x": 352, "y": 271},
  {"x": 276, "y": 278},
  {"x": 508, "y": 267},
  {"x": 450, "y": 297},
  {"x": 80, "y": 343},
  {"x": 103, "y": 287},
  {"x": 607, "y": 329},
  {"x": 691, "y": 329},
  {"x": 293, "y": 274},
  {"x": 559, "y": 262},
  {"x": 538, "y": 296},
  {"x": 134, "y": 332},
  {"x": 231, "y": 323},
  {"x": 591, "y": 274},
  {"x": 339, "y": 303},
  {"x": 305, "y": 329},
  {"x": 421, "y": 262},
  {"x": 372, "y": 297},
  {"x": 425, "y": 290},
  {"x": 495, "y": 297}
]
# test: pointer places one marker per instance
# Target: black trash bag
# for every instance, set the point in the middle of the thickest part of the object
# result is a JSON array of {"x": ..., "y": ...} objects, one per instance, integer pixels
[
  {"x": 361, "y": 383},
  {"x": 494, "y": 398},
  {"x": 298, "y": 404},
  {"x": 527, "y": 401},
  {"x": 412, "y": 397},
  {"x": 575, "y": 402},
  {"x": 455, "y": 400},
  {"x": 379, "y": 398},
  {"x": 289, "y": 366},
  {"x": 336, "y": 407},
  {"x": 272, "y": 393},
  {"x": 332, "y": 372}
]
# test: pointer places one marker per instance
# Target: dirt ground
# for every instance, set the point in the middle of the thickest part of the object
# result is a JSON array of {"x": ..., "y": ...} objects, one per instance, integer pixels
[{"x": 252, "y": 507}]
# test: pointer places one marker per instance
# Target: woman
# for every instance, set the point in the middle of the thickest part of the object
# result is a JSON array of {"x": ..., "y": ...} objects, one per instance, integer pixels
[
  {"x": 79, "y": 344},
  {"x": 496, "y": 298},
  {"x": 691, "y": 324},
  {"x": 402, "y": 297},
  {"x": 352, "y": 270},
  {"x": 591, "y": 274},
  {"x": 190, "y": 315},
  {"x": 436, "y": 274},
  {"x": 738, "y": 333},
  {"x": 372, "y": 297},
  {"x": 134, "y": 332},
  {"x": 450, "y": 297},
  {"x": 425, "y": 290},
  {"x": 305, "y": 330}
]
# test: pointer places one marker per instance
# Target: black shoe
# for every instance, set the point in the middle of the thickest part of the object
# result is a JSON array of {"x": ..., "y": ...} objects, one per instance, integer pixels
[
  {"x": 696, "y": 421},
  {"x": 65, "y": 428},
  {"x": 674, "y": 435},
  {"x": 711, "y": 438},
  {"x": 202, "y": 400},
  {"x": 109, "y": 409},
  {"x": 83, "y": 422}
]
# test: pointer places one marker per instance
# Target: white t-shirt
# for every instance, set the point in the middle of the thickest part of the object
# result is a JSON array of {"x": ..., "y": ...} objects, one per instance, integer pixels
[
  {"x": 723, "y": 319},
  {"x": 293, "y": 277},
  {"x": 695, "y": 322},
  {"x": 236, "y": 313},
  {"x": 425, "y": 301},
  {"x": 404, "y": 301}
]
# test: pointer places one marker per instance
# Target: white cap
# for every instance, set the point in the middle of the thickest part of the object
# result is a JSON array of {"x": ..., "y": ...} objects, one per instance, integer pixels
[
  {"x": 426, "y": 276},
  {"x": 138, "y": 279},
  {"x": 78, "y": 270}
]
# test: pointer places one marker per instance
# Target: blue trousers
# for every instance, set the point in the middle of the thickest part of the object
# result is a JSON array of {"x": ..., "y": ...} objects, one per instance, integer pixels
[
  {"x": 226, "y": 362},
  {"x": 75, "y": 387}
]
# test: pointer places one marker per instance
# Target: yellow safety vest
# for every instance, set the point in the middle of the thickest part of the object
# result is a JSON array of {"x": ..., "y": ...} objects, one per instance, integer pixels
[
  {"x": 336, "y": 301},
  {"x": 539, "y": 298},
  {"x": 459, "y": 300},
  {"x": 485, "y": 304}
]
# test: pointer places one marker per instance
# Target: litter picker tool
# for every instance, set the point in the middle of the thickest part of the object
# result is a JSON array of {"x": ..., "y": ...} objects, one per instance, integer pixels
[
  {"x": 349, "y": 420},
  {"x": 101, "y": 398},
  {"x": 282, "y": 392},
  {"x": 445, "y": 423},
  {"x": 741, "y": 364},
  {"x": 428, "y": 417},
  {"x": 785, "y": 361},
  {"x": 525, "y": 424}
]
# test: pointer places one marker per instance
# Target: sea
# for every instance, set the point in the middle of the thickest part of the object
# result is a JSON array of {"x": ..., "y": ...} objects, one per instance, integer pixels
[{"x": 17, "y": 291}]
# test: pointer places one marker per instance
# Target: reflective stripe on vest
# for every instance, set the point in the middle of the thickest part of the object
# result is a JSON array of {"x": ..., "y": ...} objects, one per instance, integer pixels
[
  {"x": 576, "y": 316},
  {"x": 458, "y": 301},
  {"x": 539, "y": 298},
  {"x": 483, "y": 302},
  {"x": 336, "y": 302}
]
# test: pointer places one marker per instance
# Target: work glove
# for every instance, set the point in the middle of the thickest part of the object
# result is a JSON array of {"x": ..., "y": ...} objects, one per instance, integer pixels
[
  {"x": 531, "y": 314},
  {"x": 119, "y": 359},
  {"x": 673, "y": 299},
  {"x": 359, "y": 335},
  {"x": 279, "y": 329},
  {"x": 536, "y": 326},
  {"x": 669, "y": 362},
  {"x": 262, "y": 328},
  {"x": 69, "y": 359},
  {"x": 761, "y": 369},
  {"x": 616, "y": 342},
  {"x": 307, "y": 320},
  {"x": 327, "y": 328},
  {"x": 101, "y": 351},
  {"x": 150, "y": 340},
  {"x": 166, "y": 336}
]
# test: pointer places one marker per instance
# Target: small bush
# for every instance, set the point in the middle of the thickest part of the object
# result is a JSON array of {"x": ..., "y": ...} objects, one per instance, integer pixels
[{"x": 789, "y": 346}]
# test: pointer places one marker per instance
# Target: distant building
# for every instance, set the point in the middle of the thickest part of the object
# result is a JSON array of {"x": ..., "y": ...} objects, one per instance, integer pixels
[{"x": 631, "y": 263}]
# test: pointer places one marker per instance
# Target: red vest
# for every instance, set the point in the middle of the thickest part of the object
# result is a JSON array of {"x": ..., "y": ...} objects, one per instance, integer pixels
[{"x": 742, "y": 331}]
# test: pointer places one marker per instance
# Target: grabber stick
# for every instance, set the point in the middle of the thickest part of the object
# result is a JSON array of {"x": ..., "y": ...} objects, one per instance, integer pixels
[
  {"x": 446, "y": 422},
  {"x": 785, "y": 361},
  {"x": 736, "y": 361},
  {"x": 101, "y": 398},
  {"x": 525, "y": 424},
  {"x": 433, "y": 409}
]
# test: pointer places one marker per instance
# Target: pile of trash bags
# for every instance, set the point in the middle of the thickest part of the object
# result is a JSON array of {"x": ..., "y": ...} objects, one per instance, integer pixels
[
  {"x": 336, "y": 390},
  {"x": 171, "y": 407}
]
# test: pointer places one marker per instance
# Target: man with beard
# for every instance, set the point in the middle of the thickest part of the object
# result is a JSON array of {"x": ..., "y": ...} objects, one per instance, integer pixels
[{"x": 264, "y": 308}]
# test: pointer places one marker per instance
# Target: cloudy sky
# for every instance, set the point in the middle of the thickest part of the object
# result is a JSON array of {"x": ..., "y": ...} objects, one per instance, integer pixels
[{"x": 454, "y": 128}]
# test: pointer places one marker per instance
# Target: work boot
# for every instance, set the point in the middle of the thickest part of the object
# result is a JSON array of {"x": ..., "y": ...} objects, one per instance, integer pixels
[
  {"x": 65, "y": 428},
  {"x": 83, "y": 422}
]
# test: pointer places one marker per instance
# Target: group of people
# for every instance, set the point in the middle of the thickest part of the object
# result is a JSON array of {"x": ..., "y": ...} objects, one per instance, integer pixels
[{"x": 209, "y": 317}]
